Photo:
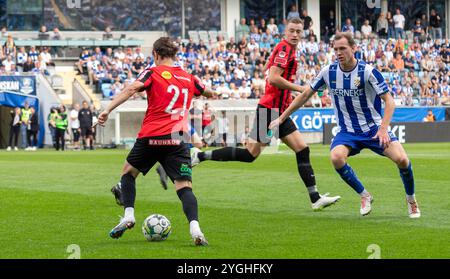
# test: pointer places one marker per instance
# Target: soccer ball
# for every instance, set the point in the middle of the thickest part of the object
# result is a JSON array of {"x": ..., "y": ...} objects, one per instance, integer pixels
[{"x": 156, "y": 227}]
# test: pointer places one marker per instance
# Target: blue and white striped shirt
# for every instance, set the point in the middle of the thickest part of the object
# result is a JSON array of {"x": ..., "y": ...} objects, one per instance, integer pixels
[{"x": 355, "y": 95}]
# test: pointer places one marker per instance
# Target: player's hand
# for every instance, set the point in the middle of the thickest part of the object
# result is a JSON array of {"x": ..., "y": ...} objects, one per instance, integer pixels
[
  {"x": 274, "y": 124},
  {"x": 102, "y": 118},
  {"x": 383, "y": 137}
]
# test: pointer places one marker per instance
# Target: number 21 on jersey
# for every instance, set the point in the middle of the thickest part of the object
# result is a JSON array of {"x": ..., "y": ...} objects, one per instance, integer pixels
[{"x": 173, "y": 89}]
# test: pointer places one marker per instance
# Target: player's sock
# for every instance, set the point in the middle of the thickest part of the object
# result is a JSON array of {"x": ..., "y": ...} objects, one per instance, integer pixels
[
  {"x": 349, "y": 176},
  {"x": 128, "y": 187},
  {"x": 129, "y": 212},
  {"x": 227, "y": 154},
  {"x": 189, "y": 202},
  {"x": 307, "y": 173},
  {"x": 408, "y": 180},
  {"x": 194, "y": 228}
]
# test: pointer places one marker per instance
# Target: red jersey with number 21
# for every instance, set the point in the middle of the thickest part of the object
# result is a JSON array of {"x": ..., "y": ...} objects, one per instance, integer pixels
[{"x": 169, "y": 94}]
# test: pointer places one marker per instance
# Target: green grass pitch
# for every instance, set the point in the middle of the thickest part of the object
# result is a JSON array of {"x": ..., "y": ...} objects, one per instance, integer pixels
[{"x": 50, "y": 200}]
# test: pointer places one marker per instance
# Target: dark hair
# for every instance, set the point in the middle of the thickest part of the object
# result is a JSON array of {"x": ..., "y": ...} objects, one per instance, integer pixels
[
  {"x": 346, "y": 35},
  {"x": 165, "y": 47}
]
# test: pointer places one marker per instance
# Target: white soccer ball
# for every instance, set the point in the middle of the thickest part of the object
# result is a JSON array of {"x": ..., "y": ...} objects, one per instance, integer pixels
[{"x": 156, "y": 227}]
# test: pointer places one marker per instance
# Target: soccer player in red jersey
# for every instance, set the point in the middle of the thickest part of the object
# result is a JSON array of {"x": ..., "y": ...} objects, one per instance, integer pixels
[
  {"x": 282, "y": 65},
  {"x": 169, "y": 92}
]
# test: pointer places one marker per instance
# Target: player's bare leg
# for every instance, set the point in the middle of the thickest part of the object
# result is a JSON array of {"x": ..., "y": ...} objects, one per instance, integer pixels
[
  {"x": 339, "y": 156},
  {"x": 397, "y": 154},
  {"x": 127, "y": 197},
  {"x": 190, "y": 208},
  {"x": 297, "y": 144}
]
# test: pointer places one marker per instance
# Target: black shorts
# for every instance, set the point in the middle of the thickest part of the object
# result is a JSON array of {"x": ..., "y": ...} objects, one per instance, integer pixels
[
  {"x": 175, "y": 159},
  {"x": 260, "y": 131},
  {"x": 86, "y": 131},
  {"x": 76, "y": 135}
]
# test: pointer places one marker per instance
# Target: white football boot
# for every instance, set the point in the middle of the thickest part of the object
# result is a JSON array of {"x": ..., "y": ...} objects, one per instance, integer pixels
[
  {"x": 125, "y": 223},
  {"x": 413, "y": 209},
  {"x": 324, "y": 201},
  {"x": 197, "y": 236},
  {"x": 194, "y": 156},
  {"x": 366, "y": 204}
]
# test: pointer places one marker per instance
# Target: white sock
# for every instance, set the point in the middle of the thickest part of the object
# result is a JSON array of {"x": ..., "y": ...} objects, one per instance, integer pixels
[
  {"x": 194, "y": 228},
  {"x": 129, "y": 212},
  {"x": 364, "y": 193},
  {"x": 411, "y": 198}
]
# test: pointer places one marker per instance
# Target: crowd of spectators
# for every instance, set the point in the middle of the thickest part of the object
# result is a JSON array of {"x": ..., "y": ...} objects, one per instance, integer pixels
[
  {"x": 15, "y": 60},
  {"x": 415, "y": 70},
  {"x": 416, "y": 67}
]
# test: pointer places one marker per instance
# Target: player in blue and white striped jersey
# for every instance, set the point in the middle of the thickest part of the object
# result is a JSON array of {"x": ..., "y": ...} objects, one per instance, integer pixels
[{"x": 356, "y": 90}]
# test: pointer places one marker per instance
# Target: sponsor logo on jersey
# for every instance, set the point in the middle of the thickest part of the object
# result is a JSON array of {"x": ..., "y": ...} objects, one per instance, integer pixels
[
  {"x": 180, "y": 77},
  {"x": 166, "y": 75},
  {"x": 279, "y": 60},
  {"x": 282, "y": 54},
  {"x": 347, "y": 92},
  {"x": 185, "y": 170}
]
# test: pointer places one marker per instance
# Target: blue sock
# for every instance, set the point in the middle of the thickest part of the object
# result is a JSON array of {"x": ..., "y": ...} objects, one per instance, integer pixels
[
  {"x": 408, "y": 179},
  {"x": 349, "y": 176}
]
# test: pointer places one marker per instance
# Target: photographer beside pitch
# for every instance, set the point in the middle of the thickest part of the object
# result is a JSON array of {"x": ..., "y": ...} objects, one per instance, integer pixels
[
  {"x": 357, "y": 90},
  {"x": 159, "y": 138}
]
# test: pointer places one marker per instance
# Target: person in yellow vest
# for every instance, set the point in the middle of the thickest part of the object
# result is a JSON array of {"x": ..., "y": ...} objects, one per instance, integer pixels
[
  {"x": 52, "y": 123},
  {"x": 61, "y": 123},
  {"x": 25, "y": 114}
]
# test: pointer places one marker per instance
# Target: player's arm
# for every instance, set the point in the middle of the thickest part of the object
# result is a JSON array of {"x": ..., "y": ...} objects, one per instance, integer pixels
[
  {"x": 208, "y": 93},
  {"x": 121, "y": 98},
  {"x": 201, "y": 89},
  {"x": 298, "y": 102},
  {"x": 389, "y": 109},
  {"x": 278, "y": 81}
]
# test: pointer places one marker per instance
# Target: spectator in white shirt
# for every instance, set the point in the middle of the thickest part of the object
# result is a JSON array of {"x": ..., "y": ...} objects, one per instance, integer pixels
[
  {"x": 252, "y": 45},
  {"x": 272, "y": 26},
  {"x": 223, "y": 127},
  {"x": 223, "y": 91},
  {"x": 7, "y": 63},
  {"x": 366, "y": 30},
  {"x": 22, "y": 57},
  {"x": 235, "y": 95},
  {"x": 138, "y": 53},
  {"x": 399, "y": 24},
  {"x": 119, "y": 54},
  {"x": 244, "y": 90},
  {"x": 46, "y": 57},
  {"x": 240, "y": 71},
  {"x": 75, "y": 126}
]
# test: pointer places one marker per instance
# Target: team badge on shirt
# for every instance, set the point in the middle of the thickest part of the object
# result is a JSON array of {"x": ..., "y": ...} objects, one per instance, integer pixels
[
  {"x": 280, "y": 58},
  {"x": 166, "y": 75},
  {"x": 357, "y": 81}
]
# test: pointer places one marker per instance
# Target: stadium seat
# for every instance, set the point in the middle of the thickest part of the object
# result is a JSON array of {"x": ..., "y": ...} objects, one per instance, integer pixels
[
  {"x": 193, "y": 34},
  {"x": 213, "y": 35},
  {"x": 224, "y": 34},
  {"x": 203, "y": 35}
]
